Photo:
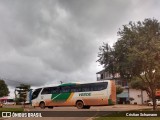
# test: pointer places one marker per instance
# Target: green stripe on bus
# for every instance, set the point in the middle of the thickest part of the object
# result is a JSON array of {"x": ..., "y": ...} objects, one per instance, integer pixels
[
  {"x": 67, "y": 84},
  {"x": 62, "y": 97}
]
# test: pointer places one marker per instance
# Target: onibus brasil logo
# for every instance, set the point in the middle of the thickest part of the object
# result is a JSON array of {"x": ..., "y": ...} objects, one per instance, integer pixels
[{"x": 23, "y": 114}]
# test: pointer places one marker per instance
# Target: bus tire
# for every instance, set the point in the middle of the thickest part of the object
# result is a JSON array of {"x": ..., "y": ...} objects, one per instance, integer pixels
[
  {"x": 149, "y": 104},
  {"x": 86, "y": 107},
  {"x": 42, "y": 105},
  {"x": 79, "y": 104},
  {"x": 50, "y": 107}
]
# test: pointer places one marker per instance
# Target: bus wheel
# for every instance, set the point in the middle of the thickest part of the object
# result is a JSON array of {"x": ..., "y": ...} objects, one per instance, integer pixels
[
  {"x": 86, "y": 107},
  {"x": 50, "y": 107},
  {"x": 149, "y": 104},
  {"x": 42, "y": 105},
  {"x": 79, "y": 104}
]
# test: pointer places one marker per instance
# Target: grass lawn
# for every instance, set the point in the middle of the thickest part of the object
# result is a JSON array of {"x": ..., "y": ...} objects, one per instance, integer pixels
[
  {"x": 119, "y": 114},
  {"x": 149, "y": 109},
  {"x": 127, "y": 118},
  {"x": 11, "y": 109}
]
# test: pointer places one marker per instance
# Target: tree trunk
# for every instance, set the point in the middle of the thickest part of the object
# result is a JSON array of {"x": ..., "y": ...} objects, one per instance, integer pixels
[
  {"x": 154, "y": 103},
  {"x": 24, "y": 102},
  {"x": 154, "y": 99}
]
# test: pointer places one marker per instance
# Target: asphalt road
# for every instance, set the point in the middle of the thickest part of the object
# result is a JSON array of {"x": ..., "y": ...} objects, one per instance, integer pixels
[{"x": 70, "y": 110}]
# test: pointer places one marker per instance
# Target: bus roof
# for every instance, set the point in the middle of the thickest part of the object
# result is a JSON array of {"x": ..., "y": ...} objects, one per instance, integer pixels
[{"x": 74, "y": 83}]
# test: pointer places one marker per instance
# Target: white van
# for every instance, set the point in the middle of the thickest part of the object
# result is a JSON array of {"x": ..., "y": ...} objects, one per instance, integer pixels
[{"x": 157, "y": 102}]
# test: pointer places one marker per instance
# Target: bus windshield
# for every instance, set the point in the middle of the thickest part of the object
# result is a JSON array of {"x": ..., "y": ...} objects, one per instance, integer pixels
[{"x": 36, "y": 93}]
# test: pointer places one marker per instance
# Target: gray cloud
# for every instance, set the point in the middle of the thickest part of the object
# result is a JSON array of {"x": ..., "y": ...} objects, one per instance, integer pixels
[
  {"x": 44, "y": 42},
  {"x": 98, "y": 16}
]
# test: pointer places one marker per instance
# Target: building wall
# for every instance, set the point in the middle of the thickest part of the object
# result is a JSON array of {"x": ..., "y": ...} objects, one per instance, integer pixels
[
  {"x": 133, "y": 93},
  {"x": 136, "y": 94}
]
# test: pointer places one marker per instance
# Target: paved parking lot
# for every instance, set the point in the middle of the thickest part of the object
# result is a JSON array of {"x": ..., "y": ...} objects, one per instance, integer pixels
[{"x": 96, "y": 109}]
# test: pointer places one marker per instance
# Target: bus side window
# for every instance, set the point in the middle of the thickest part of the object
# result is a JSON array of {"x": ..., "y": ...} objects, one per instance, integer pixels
[
  {"x": 65, "y": 89},
  {"x": 46, "y": 90},
  {"x": 98, "y": 86},
  {"x": 55, "y": 90},
  {"x": 104, "y": 85},
  {"x": 85, "y": 87},
  {"x": 76, "y": 88},
  {"x": 91, "y": 87}
]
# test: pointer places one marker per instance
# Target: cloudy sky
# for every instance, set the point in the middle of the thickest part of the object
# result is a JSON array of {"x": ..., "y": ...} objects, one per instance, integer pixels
[{"x": 44, "y": 42}]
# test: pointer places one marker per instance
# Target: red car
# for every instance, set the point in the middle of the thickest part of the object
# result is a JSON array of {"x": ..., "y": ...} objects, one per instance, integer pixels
[{"x": 1, "y": 105}]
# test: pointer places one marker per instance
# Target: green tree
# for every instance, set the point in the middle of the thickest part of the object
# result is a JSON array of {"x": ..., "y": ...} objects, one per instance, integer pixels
[
  {"x": 107, "y": 58},
  {"x": 137, "y": 54},
  {"x": 138, "y": 84},
  {"x": 22, "y": 91},
  {"x": 119, "y": 89},
  {"x": 3, "y": 89}
]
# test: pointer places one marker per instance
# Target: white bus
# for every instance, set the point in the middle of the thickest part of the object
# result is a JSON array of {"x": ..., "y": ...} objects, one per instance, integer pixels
[{"x": 79, "y": 95}]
